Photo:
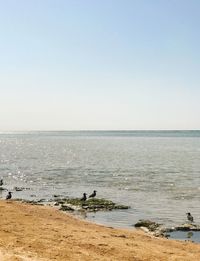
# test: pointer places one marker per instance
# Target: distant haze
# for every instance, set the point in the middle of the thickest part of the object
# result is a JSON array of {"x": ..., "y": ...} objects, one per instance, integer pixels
[{"x": 110, "y": 64}]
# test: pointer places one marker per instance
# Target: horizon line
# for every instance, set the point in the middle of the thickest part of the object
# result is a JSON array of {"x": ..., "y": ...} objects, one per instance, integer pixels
[{"x": 96, "y": 130}]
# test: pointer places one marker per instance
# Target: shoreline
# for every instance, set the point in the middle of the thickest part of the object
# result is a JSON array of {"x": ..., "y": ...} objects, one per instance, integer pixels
[{"x": 42, "y": 233}]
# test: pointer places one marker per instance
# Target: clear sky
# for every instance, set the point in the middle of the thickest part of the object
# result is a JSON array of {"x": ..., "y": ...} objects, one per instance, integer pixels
[{"x": 99, "y": 64}]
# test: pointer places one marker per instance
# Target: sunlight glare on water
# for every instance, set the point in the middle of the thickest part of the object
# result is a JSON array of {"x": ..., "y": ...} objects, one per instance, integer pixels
[{"x": 156, "y": 173}]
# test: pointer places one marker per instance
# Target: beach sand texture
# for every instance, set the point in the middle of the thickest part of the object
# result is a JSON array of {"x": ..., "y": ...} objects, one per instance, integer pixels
[{"x": 40, "y": 233}]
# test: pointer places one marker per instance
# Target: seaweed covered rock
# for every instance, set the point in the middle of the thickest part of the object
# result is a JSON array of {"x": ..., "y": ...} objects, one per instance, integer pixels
[
  {"x": 150, "y": 225},
  {"x": 187, "y": 227},
  {"x": 93, "y": 204}
]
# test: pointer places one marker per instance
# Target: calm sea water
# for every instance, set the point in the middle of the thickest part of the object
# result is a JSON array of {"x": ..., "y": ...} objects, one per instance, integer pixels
[{"x": 157, "y": 173}]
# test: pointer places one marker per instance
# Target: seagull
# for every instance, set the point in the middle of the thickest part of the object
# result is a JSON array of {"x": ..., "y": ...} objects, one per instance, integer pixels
[
  {"x": 9, "y": 196},
  {"x": 93, "y": 194},
  {"x": 189, "y": 217},
  {"x": 84, "y": 197}
]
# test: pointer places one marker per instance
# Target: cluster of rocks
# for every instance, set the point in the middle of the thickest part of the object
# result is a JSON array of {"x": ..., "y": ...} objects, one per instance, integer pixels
[
  {"x": 93, "y": 204},
  {"x": 75, "y": 204},
  {"x": 159, "y": 230},
  {"x": 150, "y": 227}
]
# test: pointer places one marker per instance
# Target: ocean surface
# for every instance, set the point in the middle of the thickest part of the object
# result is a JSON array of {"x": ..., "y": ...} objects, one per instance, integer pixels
[{"x": 156, "y": 173}]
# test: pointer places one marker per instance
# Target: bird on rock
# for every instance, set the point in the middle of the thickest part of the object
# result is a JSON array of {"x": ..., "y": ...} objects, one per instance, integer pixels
[
  {"x": 190, "y": 217},
  {"x": 93, "y": 194},
  {"x": 84, "y": 197},
  {"x": 9, "y": 196}
]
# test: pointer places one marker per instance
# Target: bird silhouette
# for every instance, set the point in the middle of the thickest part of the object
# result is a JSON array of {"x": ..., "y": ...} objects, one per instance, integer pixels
[
  {"x": 84, "y": 197},
  {"x": 9, "y": 196},
  {"x": 93, "y": 194},
  {"x": 190, "y": 217}
]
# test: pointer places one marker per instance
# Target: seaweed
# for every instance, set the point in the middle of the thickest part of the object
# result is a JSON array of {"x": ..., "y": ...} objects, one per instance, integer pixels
[{"x": 94, "y": 204}]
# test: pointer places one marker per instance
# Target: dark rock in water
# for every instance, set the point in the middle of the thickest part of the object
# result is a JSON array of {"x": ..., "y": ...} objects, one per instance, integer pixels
[
  {"x": 93, "y": 204},
  {"x": 1, "y": 188},
  {"x": 41, "y": 200},
  {"x": 57, "y": 196},
  {"x": 187, "y": 227},
  {"x": 152, "y": 226},
  {"x": 20, "y": 188},
  {"x": 33, "y": 196},
  {"x": 60, "y": 202},
  {"x": 121, "y": 207}
]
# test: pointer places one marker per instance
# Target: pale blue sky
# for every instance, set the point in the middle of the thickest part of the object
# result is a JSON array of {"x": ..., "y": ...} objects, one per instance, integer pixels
[{"x": 99, "y": 64}]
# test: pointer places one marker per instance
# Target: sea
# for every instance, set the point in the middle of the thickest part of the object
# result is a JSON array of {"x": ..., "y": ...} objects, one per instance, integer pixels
[{"x": 156, "y": 173}]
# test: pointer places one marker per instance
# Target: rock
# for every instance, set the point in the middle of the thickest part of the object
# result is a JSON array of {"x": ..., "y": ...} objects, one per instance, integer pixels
[
  {"x": 60, "y": 201},
  {"x": 121, "y": 207},
  {"x": 1, "y": 188},
  {"x": 41, "y": 200},
  {"x": 165, "y": 231},
  {"x": 20, "y": 188},
  {"x": 158, "y": 230},
  {"x": 145, "y": 229},
  {"x": 75, "y": 204},
  {"x": 188, "y": 227},
  {"x": 152, "y": 226},
  {"x": 93, "y": 204},
  {"x": 56, "y": 196}
]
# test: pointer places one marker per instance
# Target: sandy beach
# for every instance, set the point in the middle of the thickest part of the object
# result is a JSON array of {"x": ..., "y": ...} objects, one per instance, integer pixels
[{"x": 29, "y": 232}]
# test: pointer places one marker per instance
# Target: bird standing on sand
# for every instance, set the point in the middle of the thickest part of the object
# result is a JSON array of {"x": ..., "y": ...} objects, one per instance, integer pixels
[
  {"x": 9, "y": 196},
  {"x": 189, "y": 217},
  {"x": 84, "y": 197},
  {"x": 93, "y": 194}
]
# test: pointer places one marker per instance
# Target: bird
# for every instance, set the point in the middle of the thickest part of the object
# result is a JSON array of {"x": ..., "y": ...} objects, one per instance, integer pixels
[
  {"x": 9, "y": 196},
  {"x": 1, "y": 182},
  {"x": 93, "y": 194},
  {"x": 84, "y": 197},
  {"x": 190, "y": 217}
]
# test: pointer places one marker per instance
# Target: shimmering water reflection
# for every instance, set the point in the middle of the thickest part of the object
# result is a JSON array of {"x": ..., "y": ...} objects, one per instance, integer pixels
[{"x": 156, "y": 173}]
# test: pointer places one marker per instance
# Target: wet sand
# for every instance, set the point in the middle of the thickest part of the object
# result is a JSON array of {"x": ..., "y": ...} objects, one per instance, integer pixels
[{"x": 36, "y": 233}]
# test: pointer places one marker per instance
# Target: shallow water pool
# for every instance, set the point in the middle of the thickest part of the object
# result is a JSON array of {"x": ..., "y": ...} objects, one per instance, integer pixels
[{"x": 185, "y": 235}]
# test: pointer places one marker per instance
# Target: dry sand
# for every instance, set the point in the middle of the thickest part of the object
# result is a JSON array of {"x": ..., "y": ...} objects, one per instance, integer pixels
[{"x": 36, "y": 233}]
